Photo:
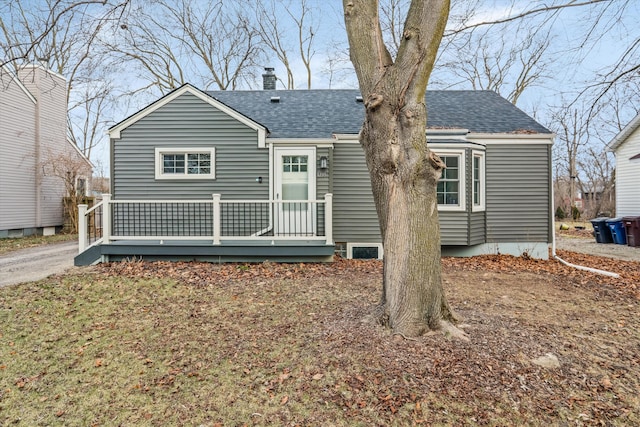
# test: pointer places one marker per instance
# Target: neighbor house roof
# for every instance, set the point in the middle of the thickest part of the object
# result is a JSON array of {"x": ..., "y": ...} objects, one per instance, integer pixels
[
  {"x": 621, "y": 137},
  {"x": 323, "y": 112}
]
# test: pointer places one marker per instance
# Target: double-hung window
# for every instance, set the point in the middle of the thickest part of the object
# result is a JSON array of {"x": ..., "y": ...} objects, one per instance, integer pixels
[
  {"x": 478, "y": 181},
  {"x": 185, "y": 163},
  {"x": 451, "y": 191}
]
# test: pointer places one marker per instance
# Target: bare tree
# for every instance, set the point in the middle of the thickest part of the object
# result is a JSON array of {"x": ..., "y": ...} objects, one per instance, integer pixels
[
  {"x": 209, "y": 44},
  {"x": 274, "y": 30},
  {"x": 572, "y": 129},
  {"x": 404, "y": 173},
  {"x": 507, "y": 60},
  {"x": 596, "y": 181},
  {"x": 62, "y": 35},
  {"x": 74, "y": 171}
]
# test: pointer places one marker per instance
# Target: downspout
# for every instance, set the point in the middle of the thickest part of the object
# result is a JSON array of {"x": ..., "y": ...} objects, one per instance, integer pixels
[{"x": 553, "y": 245}]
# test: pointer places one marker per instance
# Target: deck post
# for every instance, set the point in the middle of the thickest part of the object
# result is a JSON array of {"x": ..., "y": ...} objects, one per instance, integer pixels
[
  {"x": 82, "y": 228},
  {"x": 106, "y": 219},
  {"x": 328, "y": 218},
  {"x": 216, "y": 219}
]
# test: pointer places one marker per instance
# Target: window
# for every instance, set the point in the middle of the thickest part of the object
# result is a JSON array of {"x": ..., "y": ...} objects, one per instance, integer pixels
[
  {"x": 185, "y": 163},
  {"x": 364, "y": 250},
  {"x": 478, "y": 181},
  {"x": 450, "y": 191}
]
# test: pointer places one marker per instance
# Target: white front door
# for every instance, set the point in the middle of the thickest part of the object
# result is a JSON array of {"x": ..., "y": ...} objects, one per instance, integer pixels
[{"x": 295, "y": 180}]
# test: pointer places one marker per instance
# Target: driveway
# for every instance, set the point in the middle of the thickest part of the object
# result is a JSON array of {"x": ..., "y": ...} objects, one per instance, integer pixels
[
  {"x": 588, "y": 245},
  {"x": 31, "y": 264}
]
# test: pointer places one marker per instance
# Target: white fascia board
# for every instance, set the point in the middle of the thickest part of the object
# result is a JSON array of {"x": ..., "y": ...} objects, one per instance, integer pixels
[
  {"x": 114, "y": 131},
  {"x": 347, "y": 137},
  {"x": 4, "y": 70},
  {"x": 317, "y": 142},
  {"x": 435, "y": 145},
  {"x": 446, "y": 133},
  {"x": 510, "y": 138},
  {"x": 620, "y": 138}
]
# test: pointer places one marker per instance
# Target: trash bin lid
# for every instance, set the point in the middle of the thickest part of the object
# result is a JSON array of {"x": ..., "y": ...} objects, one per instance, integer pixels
[{"x": 615, "y": 219}]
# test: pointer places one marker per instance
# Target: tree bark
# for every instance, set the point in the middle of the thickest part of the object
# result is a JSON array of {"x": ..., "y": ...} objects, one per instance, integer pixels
[{"x": 404, "y": 173}]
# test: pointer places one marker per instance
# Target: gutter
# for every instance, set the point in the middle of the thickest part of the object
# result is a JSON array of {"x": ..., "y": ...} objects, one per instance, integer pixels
[{"x": 553, "y": 246}]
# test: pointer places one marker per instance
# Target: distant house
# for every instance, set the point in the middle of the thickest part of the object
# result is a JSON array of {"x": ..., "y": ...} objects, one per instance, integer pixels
[
  {"x": 278, "y": 174},
  {"x": 34, "y": 152},
  {"x": 626, "y": 147}
]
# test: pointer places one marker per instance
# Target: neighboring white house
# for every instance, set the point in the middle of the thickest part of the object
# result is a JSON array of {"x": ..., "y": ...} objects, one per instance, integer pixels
[
  {"x": 34, "y": 149},
  {"x": 626, "y": 147}
]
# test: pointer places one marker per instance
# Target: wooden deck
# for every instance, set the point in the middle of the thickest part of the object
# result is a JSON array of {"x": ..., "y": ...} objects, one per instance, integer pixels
[
  {"x": 198, "y": 250},
  {"x": 206, "y": 230}
]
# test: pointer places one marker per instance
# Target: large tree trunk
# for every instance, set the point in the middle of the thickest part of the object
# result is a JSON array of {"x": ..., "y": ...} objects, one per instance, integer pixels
[{"x": 404, "y": 173}]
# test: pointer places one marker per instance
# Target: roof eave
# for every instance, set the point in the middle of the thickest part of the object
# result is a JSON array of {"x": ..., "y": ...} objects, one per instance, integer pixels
[{"x": 621, "y": 137}]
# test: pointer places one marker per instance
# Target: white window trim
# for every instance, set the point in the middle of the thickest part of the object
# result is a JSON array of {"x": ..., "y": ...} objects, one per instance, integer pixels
[
  {"x": 351, "y": 245},
  {"x": 483, "y": 178},
  {"x": 184, "y": 150},
  {"x": 462, "y": 180}
]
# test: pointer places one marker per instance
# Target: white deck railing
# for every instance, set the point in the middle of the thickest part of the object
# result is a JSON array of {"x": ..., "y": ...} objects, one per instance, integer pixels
[{"x": 212, "y": 219}]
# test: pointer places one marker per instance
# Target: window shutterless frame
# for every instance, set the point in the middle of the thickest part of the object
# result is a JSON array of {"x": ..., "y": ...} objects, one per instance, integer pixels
[
  {"x": 192, "y": 163},
  {"x": 478, "y": 180},
  {"x": 451, "y": 187}
]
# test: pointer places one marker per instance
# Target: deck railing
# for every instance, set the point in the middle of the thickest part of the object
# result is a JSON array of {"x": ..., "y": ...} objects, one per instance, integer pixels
[{"x": 212, "y": 219}]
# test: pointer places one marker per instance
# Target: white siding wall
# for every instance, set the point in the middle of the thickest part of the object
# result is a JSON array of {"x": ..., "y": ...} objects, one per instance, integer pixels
[
  {"x": 50, "y": 91},
  {"x": 29, "y": 200},
  {"x": 17, "y": 162},
  {"x": 628, "y": 177}
]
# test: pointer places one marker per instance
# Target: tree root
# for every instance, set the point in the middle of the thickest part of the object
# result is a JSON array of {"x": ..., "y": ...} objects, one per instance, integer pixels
[{"x": 450, "y": 330}]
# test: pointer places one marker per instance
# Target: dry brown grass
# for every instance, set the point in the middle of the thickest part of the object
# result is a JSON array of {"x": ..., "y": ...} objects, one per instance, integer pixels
[{"x": 277, "y": 344}]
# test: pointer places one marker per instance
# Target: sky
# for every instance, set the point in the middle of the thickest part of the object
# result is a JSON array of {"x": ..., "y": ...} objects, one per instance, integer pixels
[{"x": 574, "y": 56}]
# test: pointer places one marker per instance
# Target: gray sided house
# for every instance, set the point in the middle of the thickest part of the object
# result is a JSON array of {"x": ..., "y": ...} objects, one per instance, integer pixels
[
  {"x": 279, "y": 174},
  {"x": 34, "y": 146}
]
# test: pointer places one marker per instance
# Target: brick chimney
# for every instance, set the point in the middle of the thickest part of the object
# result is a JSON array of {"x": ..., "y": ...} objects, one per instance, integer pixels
[{"x": 269, "y": 79}]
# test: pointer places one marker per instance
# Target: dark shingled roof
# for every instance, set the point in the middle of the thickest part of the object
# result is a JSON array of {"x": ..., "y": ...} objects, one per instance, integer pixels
[{"x": 323, "y": 112}]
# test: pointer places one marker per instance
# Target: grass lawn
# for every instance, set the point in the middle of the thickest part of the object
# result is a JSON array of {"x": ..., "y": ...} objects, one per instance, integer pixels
[
  {"x": 14, "y": 244},
  {"x": 155, "y": 344}
]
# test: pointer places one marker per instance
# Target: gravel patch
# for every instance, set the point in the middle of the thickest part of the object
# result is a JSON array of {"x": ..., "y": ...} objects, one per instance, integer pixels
[{"x": 589, "y": 246}]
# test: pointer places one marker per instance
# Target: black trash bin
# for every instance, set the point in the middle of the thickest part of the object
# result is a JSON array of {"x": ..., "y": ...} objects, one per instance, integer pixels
[
  {"x": 601, "y": 231},
  {"x": 632, "y": 228}
]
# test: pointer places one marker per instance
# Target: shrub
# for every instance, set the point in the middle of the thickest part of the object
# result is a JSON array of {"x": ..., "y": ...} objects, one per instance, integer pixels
[{"x": 575, "y": 213}]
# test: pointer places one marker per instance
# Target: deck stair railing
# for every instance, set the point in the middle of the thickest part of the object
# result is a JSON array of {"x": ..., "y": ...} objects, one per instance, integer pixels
[
  {"x": 90, "y": 225},
  {"x": 212, "y": 219}
]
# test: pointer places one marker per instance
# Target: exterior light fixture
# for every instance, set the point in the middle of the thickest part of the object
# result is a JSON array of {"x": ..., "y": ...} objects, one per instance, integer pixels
[{"x": 324, "y": 163}]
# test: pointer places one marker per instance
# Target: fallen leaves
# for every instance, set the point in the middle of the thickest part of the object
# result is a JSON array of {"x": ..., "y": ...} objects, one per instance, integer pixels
[{"x": 209, "y": 274}]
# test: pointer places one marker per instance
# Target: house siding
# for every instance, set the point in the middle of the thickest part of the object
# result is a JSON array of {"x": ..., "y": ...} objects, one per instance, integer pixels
[
  {"x": 17, "y": 163},
  {"x": 628, "y": 176},
  {"x": 518, "y": 213},
  {"x": 188, "y": 121},
  {"x": 477, "y": 228},
  {"x": 50, "y": 91},
  {"x": 28, "y": 199},
  {"x": 354, "y": 212},
  {"x": 322, "y": 182}
]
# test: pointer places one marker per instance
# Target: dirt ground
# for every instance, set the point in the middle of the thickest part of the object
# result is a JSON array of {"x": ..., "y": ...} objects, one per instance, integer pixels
[{"x": 549, "y": 344}]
